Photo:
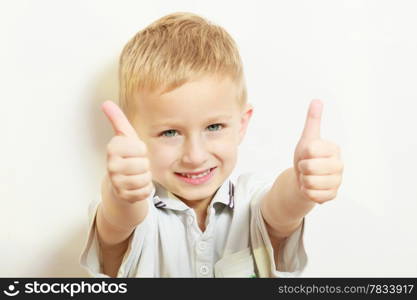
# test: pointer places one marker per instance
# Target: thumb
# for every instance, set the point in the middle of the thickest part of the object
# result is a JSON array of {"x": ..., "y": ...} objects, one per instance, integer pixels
[
  {"x": 312, "y": 125},
  {"x": 118, "y": 120}
]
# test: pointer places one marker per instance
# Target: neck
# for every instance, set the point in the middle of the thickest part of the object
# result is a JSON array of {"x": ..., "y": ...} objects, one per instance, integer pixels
[{"x": 199, "y": 206}]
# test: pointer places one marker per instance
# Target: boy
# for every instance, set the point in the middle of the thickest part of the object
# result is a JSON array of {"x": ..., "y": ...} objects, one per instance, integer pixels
[{"x": 169, "y": 206}]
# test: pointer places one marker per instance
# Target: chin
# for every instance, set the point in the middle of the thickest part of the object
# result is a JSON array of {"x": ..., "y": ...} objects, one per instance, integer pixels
[{"x": 195, "y": 195}]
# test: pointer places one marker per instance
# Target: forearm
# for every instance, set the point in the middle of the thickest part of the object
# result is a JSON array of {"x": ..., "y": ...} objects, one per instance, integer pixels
[
  {"x": 284, "y": 206},
  {"x": 115, "y": 223},
  {"x": 113, "y": 246},
  {"x": 117, "y": 219}
]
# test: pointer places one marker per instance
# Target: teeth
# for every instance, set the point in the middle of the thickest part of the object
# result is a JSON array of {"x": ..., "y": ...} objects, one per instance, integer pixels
[{"x": 196, "y": 176}]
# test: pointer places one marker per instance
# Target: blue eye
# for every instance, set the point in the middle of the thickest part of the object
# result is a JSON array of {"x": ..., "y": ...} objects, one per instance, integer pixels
[
  {"x": 169, "y": 133},
  {"x": 215, "y": 127},
  {"x": 173, "y": 132}
]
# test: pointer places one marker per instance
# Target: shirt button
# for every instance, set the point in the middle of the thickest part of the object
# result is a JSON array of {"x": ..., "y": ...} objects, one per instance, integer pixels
[
  {"x": 204, "y": 270},
  {"x": 202, "y": 246}
]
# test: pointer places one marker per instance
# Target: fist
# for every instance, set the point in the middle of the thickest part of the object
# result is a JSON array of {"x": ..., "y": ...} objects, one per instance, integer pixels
[
  {"x": 128, "y": 166},
  {"x": 317, "y": 163}
]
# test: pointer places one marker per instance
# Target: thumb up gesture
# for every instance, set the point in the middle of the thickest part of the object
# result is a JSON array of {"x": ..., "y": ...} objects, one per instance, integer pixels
[
  {"x": 317, "y": 162},
  {"x": 127, "y": 163}
]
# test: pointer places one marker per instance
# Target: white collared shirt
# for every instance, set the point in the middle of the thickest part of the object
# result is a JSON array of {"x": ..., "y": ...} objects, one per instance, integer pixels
[{"x": 235, "y": 243}]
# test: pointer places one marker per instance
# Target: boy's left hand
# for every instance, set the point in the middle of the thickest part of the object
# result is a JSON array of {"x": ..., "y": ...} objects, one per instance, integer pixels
[{"x": 317, "y": 163}]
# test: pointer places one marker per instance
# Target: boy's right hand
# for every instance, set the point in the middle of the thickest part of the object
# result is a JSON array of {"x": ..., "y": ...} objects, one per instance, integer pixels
[{"x": 127, "y": 162}]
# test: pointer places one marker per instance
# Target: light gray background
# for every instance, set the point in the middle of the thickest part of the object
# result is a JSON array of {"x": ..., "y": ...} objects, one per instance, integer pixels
[{"x": 58, "y": 62}]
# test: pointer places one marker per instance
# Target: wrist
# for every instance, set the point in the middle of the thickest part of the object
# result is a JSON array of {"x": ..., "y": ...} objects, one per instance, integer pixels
[
  {"x": 295, "y": 186},
  {"x": 123, "y": 215},
  {"x": 298, "y": 200}
]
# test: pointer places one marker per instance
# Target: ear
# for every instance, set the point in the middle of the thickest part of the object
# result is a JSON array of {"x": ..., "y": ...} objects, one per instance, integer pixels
[{"x": 244, "y": 120}]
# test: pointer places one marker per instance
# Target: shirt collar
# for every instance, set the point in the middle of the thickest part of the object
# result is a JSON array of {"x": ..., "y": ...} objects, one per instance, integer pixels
[{"x": 225, "y": 194}]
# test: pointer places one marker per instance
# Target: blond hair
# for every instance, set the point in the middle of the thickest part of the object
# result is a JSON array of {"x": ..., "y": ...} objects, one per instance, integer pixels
[{"x": 175, "y": 49}]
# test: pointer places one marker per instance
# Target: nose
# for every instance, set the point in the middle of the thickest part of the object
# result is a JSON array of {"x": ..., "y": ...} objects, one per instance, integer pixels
[{"x": 194, "y": 152}]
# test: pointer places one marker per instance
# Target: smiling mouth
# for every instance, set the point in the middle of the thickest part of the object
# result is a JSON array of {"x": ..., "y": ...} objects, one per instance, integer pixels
[{"x": 195, "y": 175}]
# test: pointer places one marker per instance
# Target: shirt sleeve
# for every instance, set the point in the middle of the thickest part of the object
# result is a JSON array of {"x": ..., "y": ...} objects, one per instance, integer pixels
[
  {"x": 135, "y": 258},
  {"x": 293, "y": 257}
]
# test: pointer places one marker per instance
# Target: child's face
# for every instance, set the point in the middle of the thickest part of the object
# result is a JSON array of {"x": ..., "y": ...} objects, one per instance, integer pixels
[{"x": 194, "y": 128}]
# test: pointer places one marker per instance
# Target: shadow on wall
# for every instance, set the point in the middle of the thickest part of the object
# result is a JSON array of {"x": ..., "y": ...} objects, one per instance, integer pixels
[{"x": 104, "y": 86}]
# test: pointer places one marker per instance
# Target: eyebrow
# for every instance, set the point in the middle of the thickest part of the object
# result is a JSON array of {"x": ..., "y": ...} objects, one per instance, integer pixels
[{"x": 173, "y": 123}]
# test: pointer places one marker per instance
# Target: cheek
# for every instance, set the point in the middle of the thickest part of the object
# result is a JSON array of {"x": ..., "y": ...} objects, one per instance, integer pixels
[
  {"x": 161, "y": 157},
  {"x": 226, "y": 149}
]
